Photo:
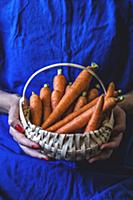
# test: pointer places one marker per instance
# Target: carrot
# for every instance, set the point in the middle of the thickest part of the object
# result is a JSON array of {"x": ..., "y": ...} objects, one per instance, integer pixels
[
  {"x": 35, "y": 109},
  {"x": 71, "y": 107},
  {"x": 76, "y": 89},
  {"x": 93, "y": 93},
  {"x": 45, "y": 96},
  {"x": 71, "y": 116},
  {"x": 55, "y": 98},
  {"x": 96, "y": 117},
  {"x": 59, "y": 82},
  {"x": 110, "y": 90},
  {"x": 59, "y": 85},
  {"x": 82, "y": 100},
  {"x": 68, "y": 87},
  {"x": 82, "y": 120},
  {"x": 117, "y": 93}
]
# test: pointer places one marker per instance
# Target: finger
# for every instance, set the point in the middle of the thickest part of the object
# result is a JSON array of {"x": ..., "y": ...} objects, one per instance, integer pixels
[
  {"x": 101, "y": 156},
  {"x": 20, "y": 138},
  {"x": 114, "y": 143},
  {"x": 120, "y": 120},
  {"x": 33, "y": 153}
]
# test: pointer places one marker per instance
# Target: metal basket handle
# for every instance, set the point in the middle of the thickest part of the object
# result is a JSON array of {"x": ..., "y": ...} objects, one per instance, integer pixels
[{"x": 60, "y": 65}]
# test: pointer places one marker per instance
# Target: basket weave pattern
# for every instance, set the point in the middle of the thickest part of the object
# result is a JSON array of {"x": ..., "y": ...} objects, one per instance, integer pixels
[{"x": 68, "y": 146}]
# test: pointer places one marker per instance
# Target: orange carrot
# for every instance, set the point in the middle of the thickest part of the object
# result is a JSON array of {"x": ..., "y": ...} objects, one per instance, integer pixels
[
  {"x": 71, "y": 116},
  {"x": 110, "y": 90},
  {"x": 93, "y": 93},
  {"x": 82, "y": 120},
  {"x": 59, "y": 82},
  {"x": 55, "y": 98},
  {"x": 35, "y": 109},
  {"x": 96, "y": 117},
  {"x": 45, "y": 96},
  {"x": 68, "y": 87},
  {"x": 70, "y": 109},
  {"x": 76, "y": 89},
  {"x": 59, "y": 85},
  {"x": 82, "y": 100}
]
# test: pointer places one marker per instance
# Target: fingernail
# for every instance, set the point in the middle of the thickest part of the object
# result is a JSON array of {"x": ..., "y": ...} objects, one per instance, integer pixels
[
  {"x": 35, "y": 146},
  {"x": 19, "y": 128}
]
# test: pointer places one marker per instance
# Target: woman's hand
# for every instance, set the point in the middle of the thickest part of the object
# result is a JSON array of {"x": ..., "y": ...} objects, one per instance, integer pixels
[
  {"x": 117, "y": 135},
  {"x": 17, "y": 131}
]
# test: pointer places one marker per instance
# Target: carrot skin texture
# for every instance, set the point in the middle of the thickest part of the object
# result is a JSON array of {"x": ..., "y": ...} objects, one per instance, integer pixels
[
  {"x": 96, "y": 117},
  {"x": 82, "y": 100},
  {"x": 55, "y": 98},
  {"x": 36, "y": 109},
  {"x": 82, "y": 120},
  {"x": 75, "y": 90},
  {"x": 59, "y": 86},
  {"x": 110, "y": 90},
  {"x": 59, "y": 82},
  {"x": 71, "y": 116},
  {"x": 70, "y": 109},
  {"x": 45, "y": 96},
  {"x": 92, "y": 94},
  {"x": 68, "y": 87}
]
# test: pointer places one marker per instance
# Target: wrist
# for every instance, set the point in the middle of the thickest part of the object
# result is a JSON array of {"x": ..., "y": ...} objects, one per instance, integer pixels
[
  {"x": 14, "y": 99},
  {"x": 7, "y": 100}
]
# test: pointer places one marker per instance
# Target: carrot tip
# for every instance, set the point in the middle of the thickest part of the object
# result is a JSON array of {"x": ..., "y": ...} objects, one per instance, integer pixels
[
  {"x": 121, "y": 98},
  {"x": 119, "y": 91},
  {"x": 46, "y": 85},
  {"x": 94, "y": 65},
  {"x": 97, "y": 86},
  {"x": 59, "y": 72},
  {"x": 33, "y": 93},
  {"x": 70, "y": 83},
  {"x": 84, "y": 94}
]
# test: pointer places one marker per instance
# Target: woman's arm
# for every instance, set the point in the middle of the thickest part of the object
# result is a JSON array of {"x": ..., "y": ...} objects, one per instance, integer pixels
[{"x": 7, "y": 100}]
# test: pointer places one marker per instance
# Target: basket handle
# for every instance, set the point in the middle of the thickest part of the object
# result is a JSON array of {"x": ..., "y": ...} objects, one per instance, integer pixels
[{"x": 60, "y": 65}]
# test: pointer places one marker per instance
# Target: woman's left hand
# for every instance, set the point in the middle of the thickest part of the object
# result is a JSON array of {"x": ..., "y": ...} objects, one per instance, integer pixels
[{"x": 117, "y": 135}]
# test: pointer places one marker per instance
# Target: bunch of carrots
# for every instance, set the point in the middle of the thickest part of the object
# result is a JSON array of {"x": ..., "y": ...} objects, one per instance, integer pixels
[{"x": 72, "y": 107}]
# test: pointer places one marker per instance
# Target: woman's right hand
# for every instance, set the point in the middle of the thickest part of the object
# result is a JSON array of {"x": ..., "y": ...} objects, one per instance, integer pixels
[{"x": 16, "y": 130}]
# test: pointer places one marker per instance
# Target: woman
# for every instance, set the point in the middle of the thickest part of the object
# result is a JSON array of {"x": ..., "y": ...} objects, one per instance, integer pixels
[
  {"x": 38, "y": 33},
  {"x": 9, "y": 104}
]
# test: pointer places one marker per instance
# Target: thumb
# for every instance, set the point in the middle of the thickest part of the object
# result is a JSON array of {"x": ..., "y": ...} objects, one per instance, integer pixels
[
  {"x": 13, "y": 117},
  {"x": 13, "y": 114}
]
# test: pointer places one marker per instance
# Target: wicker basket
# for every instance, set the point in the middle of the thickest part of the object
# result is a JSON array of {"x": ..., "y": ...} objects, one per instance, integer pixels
[{"x": 65, "y": 146}]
